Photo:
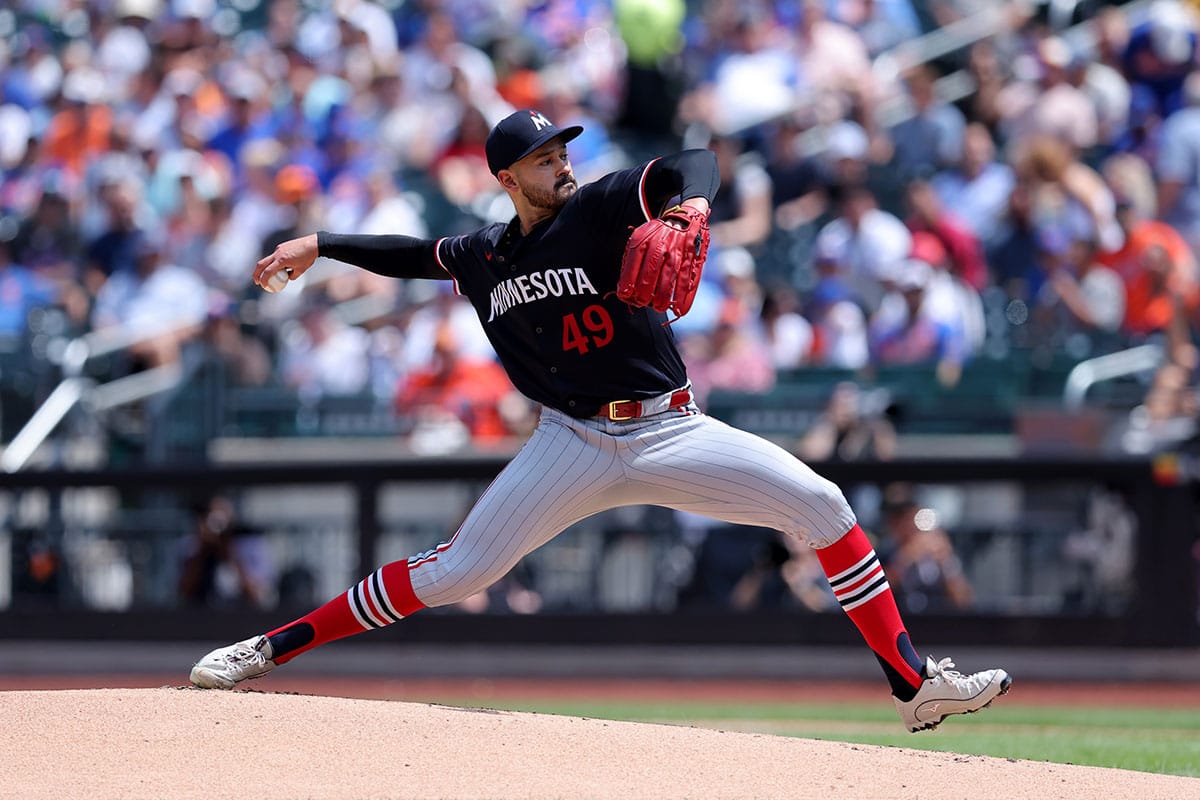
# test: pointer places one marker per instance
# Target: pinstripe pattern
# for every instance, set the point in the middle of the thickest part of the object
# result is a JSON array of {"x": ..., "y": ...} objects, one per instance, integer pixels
[
  {"x": 570, "y": 469},
  {"x": 701, "y": 465}
]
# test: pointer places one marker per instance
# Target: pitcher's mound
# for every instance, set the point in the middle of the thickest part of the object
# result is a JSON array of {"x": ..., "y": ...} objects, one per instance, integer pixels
[{"x": 186, "y": 743}]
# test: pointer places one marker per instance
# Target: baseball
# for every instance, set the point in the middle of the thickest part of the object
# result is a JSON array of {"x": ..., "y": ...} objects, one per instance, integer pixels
[{"x": 277, "y": 282}]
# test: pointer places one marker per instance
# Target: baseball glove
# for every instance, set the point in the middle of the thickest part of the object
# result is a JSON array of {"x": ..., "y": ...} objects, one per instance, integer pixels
[{"x": 662, "y": 261}]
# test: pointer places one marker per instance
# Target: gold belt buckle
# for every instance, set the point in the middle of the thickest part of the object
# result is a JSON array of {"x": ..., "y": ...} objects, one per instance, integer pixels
[{"x": 612, "y": 411}]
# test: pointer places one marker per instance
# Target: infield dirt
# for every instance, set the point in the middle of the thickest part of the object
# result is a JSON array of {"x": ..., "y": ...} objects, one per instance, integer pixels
[{"x": 174, "y": 743}]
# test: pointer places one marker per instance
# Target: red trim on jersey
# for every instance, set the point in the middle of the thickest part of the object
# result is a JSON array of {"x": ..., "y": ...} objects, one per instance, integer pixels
[
  {"x": 642, "y": 191},
  {"x": 441, "y": 548},
  {"x": 437, "y": 255}
]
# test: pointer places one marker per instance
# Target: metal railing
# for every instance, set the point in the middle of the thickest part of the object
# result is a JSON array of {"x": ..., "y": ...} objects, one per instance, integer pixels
[
  {"x": 76, "y": 390},
  {"x": 1088, "y": 373}
]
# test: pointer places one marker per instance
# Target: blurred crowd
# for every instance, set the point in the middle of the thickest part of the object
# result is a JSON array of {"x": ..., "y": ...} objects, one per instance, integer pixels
[{"x": 878, "y": 207}]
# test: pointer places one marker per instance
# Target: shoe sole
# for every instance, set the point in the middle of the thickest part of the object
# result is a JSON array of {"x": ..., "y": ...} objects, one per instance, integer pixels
[
  {"x": 203, "y": 678},
  {"x": 1004, "y": 687}
]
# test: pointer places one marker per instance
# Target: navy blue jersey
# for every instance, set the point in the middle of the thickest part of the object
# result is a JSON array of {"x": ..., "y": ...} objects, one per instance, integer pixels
[{"x": 548, "y": 301}]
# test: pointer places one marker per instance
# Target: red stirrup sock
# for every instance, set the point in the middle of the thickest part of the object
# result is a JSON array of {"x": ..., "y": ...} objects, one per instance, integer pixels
[
  {"x": 383, "y": 597},
  {"x": 860, "y": 586}
]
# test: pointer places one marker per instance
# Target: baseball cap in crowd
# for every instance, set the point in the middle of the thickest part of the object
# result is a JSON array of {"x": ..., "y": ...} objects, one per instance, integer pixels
[
  {"x": 847, "y": 140},
  {"x": 294, "y": 183},
  {"x": 519, "y": 134},
  {"x": 912, "y": 275}
]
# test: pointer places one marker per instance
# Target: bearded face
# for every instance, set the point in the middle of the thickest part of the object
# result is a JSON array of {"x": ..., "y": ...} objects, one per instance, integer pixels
[{"x": 550, "y": 199}]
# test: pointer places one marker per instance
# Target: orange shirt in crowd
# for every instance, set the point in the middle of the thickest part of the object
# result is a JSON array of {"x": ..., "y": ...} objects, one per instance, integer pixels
[
  {"x": 470, "y": 389},
  {"x": 1148, "y": 305}
]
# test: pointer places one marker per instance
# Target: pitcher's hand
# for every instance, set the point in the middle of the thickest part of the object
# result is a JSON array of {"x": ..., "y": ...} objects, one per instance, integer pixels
[{"x": 294, "y": 255}]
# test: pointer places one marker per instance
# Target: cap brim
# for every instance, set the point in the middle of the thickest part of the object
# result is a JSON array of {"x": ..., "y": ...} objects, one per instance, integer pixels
[{"x": 568, "y": 133}]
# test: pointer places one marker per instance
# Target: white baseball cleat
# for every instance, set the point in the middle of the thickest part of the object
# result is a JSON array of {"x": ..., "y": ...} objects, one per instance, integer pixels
[
  {"x": 226, "y": 667},
  {"x": 945, "y": 692}
]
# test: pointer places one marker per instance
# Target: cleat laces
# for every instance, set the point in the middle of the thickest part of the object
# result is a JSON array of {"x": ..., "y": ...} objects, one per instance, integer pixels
[
  {"x": 944, "y": 669},
  {"x": 244, "y": 656}
]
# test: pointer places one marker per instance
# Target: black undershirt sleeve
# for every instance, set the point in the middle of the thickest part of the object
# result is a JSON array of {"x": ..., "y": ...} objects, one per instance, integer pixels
[
  {"x": 687, "y": 174},
  {"x": 393, "y": 256}
]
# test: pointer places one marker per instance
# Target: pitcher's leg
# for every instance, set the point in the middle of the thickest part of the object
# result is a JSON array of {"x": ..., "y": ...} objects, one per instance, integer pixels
[
  {"x": 700, "y": 464},
  {"x": 565, "y": 473},
  {"x": 731, "y": 475},
  {"x": 562, "y": 475}
]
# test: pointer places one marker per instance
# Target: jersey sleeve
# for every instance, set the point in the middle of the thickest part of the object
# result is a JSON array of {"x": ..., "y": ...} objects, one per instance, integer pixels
[
  {"x": 452, "y": 254},
  {"x": 631, "y": 196},
  {"x": 617, "y": 201}
]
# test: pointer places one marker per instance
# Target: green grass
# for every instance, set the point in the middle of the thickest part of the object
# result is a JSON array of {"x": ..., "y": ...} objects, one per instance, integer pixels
[{"x": 1149, "y": 740}]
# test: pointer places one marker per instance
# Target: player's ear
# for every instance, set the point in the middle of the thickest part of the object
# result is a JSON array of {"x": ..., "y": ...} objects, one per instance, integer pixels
[{"x": 507, "y": 179}]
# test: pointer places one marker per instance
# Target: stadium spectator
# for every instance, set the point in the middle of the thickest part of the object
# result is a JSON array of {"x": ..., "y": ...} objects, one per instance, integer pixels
[
  {"x": 82, "y": 128},
  {"x": 155, "y": 302},
  {"x": 1080, "y": 293},
  {"x": 1154, "y": 262},
  {"x": 990, "y": 75},
  {"x": 932, "y": 138},
  {"x": 948, "y": 297},
  {"x": 460, "y": 167},
  {"x": 113, "y": 250},
  {"x": 798, "y": 179},
  {"x": 929, "y": 577},
  {"x": 963, "y": 253},
  {"x": 977, "y": 186},
  {"x": 864, "y": 241},
  {"x": 223, "y": 130},
  {"x": 322, "y": 354},
  {"x": 748, "y": 72},
  {"x": 1106, "y": 88},
  {"x": 1160, "y": 52},
  {"x": 1065, "y": 191},
  {"x": 881, "y": 24},
  {"x": 789, "y": 336},
  {"x": 1175, "y": 167},
  {"x": 458, "y": 388},
  {"x": 834, "y": 65},
  {"x": 782, "y": 573},
  {"x": 741, "y": 215},
  {"x": 21, "y": 290},
  {"x": 1048, "y": 104},
  {"x": 48, "y": 243},
  {"x": 914, "y": 336},
  {"x": 244, "y": 358},
  {"x": 1155, "y": 291},
  {"x": 853, "y": 426},
  {"x": 732, "y": 356},
  {"x": 839, "y": 324},
  {"x": 224, "y": 562}
]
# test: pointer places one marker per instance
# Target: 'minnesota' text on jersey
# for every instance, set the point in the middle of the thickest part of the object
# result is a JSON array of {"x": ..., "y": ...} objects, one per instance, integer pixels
[
  {"x": 547, "y": 299},
  {"x": 548, "y": 304}
]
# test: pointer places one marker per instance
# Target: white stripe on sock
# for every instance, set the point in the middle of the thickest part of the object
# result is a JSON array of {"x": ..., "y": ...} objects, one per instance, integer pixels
[
  {"x": 835, "y": 578},
  {"x": 384, "y": 600},
  {"x": 362, "y": 595},
  {"x": 880, "y": 589},
  {"x": 354, "y": 608}
]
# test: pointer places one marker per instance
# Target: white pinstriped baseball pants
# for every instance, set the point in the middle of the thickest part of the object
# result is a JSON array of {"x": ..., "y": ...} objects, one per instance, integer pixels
[{"x": 570, "y": 469}]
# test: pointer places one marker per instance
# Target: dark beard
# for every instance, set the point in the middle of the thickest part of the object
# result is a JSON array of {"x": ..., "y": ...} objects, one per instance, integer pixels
[{"x": 550, "y": 200}]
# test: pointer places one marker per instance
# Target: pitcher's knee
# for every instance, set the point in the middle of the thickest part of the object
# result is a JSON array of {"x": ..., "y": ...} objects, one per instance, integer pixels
[
  {"x": 443, "y": 583},
  {"x": 824, "y": 517}
]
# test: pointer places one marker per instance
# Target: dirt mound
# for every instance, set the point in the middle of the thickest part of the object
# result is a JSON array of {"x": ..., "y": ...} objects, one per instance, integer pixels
[{"x": 185, "y": 743}]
